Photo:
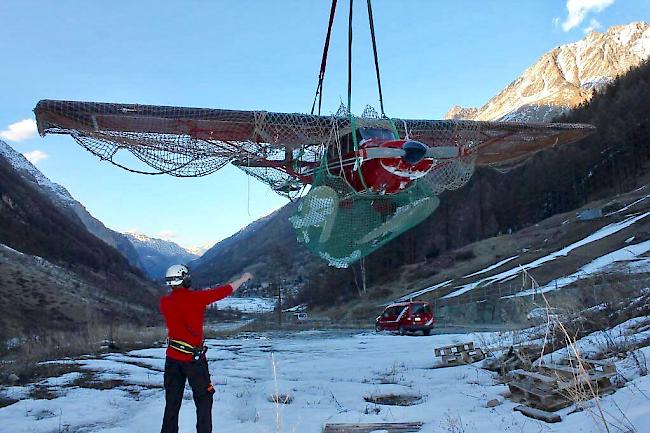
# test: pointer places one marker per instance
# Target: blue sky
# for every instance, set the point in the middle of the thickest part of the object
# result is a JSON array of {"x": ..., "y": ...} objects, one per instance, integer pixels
[{"x": 245, "y": 54}]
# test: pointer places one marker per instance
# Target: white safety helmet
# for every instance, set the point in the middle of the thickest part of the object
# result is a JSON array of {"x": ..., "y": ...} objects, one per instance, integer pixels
[{"x": 178, "y": 275}]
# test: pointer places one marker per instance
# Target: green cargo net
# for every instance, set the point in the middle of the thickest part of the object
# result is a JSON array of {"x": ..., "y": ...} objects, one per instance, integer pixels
[{"x": 341, "y": 225}]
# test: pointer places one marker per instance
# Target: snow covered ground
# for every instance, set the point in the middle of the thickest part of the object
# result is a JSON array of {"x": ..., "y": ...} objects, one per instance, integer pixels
[
  {"x": 327, "y": 374},
  {"x": 247, "y": 305}
]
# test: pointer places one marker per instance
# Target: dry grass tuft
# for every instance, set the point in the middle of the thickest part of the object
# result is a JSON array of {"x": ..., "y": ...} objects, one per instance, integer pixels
[{"x": 27, "y": 353}]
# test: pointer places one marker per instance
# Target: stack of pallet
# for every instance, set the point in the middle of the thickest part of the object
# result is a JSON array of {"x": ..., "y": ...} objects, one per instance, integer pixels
[
  {"x": 459, "y": 354},
  {"x": 554, "y": 386}
]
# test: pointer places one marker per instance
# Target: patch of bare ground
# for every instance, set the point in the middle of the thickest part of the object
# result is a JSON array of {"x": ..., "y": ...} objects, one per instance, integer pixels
[
  {"x": 5, "y": 401},
  {"x": 394, "y": 399},
  {"x": 32, "y": 372},
  {"x": 41, "y": 392},
  {"x": 91, "y": 381},
  {"x": 280, "y": 398}
]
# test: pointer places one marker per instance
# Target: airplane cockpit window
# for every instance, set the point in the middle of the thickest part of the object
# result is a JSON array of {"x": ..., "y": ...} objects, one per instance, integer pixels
[
  {"x": 384, "y": 134},
  {"x": 347, "y": 145}
]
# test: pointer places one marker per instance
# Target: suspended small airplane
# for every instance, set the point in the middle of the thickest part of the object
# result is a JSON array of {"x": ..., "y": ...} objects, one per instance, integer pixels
[{"x": 366, "y": 167}]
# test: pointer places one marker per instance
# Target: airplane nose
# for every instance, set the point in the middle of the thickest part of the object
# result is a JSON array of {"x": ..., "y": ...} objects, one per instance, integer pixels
[{"x": 414, "y": 151}]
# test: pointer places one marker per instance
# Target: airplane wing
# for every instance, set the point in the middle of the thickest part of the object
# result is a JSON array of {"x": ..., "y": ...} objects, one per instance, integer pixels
[
  {"x": 495, "y": 143},
  {"x": 198, "y": 141}
]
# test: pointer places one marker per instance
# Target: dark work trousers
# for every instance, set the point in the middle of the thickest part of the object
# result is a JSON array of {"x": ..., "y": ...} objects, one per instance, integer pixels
[{"x": 176, "y": 372}]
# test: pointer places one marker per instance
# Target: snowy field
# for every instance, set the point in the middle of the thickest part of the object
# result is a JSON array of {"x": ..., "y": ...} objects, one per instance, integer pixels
[
  {"x": 327, "y": 374},
  {"x": 247, "y": 305}
]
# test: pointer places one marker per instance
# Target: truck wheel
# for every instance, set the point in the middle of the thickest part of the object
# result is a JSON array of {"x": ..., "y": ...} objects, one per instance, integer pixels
[
  {"x": 402, "y": 331},
  {"x": 426, "y": 332}
]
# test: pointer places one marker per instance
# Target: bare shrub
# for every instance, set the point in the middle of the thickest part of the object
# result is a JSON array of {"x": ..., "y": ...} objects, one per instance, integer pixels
[{"x": 454, "y": 424}]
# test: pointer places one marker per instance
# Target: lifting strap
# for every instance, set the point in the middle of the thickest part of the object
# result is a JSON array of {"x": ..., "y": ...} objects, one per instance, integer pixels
[
  {"x": 374, "y": 50},
  {"x": 323, "y": 62}
]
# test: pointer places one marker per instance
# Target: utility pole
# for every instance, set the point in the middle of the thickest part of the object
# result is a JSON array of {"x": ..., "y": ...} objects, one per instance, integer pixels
[
  {"x": 280, "y": 305},
  {"x": 363, "y": 274}
]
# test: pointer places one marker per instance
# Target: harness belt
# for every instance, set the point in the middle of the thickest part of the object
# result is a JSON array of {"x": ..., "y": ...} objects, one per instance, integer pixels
[{"x": 187, "y": 348}]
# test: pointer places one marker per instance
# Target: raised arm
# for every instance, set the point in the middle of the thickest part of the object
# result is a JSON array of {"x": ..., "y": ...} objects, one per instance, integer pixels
[
  {"x": 236, "y": 284},
  {"x": 217, "y": 293}
]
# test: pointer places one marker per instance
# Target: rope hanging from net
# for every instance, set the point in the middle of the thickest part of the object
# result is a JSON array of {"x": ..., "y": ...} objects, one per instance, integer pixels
[{"x": 350, "y": 66}]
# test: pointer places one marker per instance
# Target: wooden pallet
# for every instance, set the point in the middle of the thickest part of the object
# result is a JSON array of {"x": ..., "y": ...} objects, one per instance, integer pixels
[
  {"x": 454, "y": 349},
  {"x": 459, "y": 354},
  {"x": 396, "y": 427},
  {"x": 573, "y": 377},
  {"x": 536, "y": 390},
  {"x": 554, "y": 386},
  {"x": 520, "y": 357}
]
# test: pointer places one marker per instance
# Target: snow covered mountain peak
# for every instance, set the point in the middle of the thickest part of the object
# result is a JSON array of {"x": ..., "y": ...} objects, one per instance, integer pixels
[
  {"x": 160, "y": 245},
  {"x": 158, "y": 254},
  {"x": 566, "y": 76},
  {"x": 22, "y": 164}
]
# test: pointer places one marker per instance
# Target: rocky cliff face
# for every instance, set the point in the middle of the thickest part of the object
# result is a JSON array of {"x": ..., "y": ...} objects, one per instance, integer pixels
[{"x": 566, "y": 76}]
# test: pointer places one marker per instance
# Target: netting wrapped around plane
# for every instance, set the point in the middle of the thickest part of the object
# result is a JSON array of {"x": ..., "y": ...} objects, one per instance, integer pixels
[
  {"x": 184, "y": 142},
  {"x": 342, "y": 224},
  {"x": 450, "y": 174},
  {"x": 197, "y": 141},
  {"x": 336, "y": 220}
]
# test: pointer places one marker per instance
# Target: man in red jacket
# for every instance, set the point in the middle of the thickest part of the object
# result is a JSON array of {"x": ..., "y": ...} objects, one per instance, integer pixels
[{"x": 184, "y": 311}]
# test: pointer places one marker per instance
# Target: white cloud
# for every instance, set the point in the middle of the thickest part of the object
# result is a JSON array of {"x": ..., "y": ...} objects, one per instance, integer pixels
[
  {"x": 167, "y": 235},
  {"x": 579, "y": 9},
  {"x": 594, "y": 24},
  {"x": 20, "y": 131},
  {"x": 35, "y": 156}
]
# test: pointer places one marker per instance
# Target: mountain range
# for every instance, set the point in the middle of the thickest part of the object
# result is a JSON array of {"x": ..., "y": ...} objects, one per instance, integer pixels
[
  {"x": 566, "y": 76},
  {"x": 156, "y": 255}
]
